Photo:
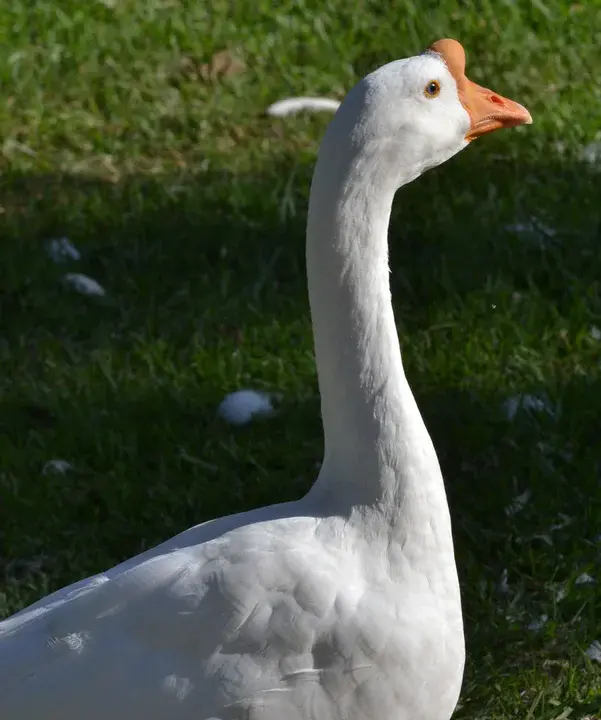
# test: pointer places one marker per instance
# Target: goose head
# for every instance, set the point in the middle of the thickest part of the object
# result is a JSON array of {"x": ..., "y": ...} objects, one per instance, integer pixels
[{"x": 416, "y": 113}]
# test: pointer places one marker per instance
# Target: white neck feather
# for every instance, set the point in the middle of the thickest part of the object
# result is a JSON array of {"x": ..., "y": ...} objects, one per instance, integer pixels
[{"x": 378, "y": 452}]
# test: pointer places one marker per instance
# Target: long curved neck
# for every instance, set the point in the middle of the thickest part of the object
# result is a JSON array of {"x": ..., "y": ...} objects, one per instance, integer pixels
[{"x": 377, "y": 449}]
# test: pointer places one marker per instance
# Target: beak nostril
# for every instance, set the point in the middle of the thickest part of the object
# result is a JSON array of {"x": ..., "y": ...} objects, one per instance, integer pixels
[{"x": 497, "y": 100}]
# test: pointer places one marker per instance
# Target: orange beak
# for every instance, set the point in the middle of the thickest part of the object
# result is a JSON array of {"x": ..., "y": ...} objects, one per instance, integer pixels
[{"x": 487, "y": 110}]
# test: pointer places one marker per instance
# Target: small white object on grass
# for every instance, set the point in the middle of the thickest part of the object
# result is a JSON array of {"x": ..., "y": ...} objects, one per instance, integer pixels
[
  {"x": 594, "y": 651},
  {"x": 561, "y": 593},
  {"x": 525, "y": 402},
  {"x": 518, "y": 503},
  {"x": 84, "y": 284},
  {"x": 564, "y": 521},
  {"x": 585, "y": 579},
  {"x": 294, "y": 105},
  {"x": 56, "y": 466},
  {"x": 239, "y": 408},
  {"x": 595, "y": 332},
  {"x": 532, "y": 227},
  {"x": 61, "y": 249},
  {"x": 538, "y": 624},
  {"x": 591, "y": 153}
]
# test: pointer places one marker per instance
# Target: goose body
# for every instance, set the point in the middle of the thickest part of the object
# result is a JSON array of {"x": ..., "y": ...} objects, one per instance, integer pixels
[{"x": 345, "y": 604}]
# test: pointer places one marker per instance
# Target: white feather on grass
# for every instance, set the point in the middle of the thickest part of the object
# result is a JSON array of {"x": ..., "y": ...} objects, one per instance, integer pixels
[
  {"x": 529, "y": 403},
  {"x": 538, "y": 623},
  {"x": 60, "y": 467},
  {"x": 84, "y": 284},
  {"x": 295, "y": 105},
  {"x": 564, "y": 521},
  {"x": 594, "y": 651},
  {"x": 518, "y": 503},
  {"x": 591, "y": 153},
  {"x": 533, "y": 226},
  {"x": 561, "y": 593},
  {"x": 61, "y": 249},
  {"x": 240, "y": 407}
]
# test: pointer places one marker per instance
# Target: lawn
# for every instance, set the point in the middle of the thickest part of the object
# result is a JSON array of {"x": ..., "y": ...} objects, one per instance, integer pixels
[{"x": 121, "y": 131}]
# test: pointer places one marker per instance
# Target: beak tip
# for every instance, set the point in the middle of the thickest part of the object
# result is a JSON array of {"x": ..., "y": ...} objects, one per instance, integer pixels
[{"x": 527, "y": 116}]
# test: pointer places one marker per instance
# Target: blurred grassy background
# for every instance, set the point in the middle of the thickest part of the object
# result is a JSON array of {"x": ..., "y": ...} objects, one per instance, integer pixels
[{"x": 123, "y": 130}]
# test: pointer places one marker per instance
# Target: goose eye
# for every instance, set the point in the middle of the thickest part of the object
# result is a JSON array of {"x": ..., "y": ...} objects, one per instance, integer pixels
[{"x": 432, "y": 89}]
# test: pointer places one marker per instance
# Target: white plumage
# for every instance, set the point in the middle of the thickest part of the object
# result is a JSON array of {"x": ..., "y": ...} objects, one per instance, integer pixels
[{"x": 343, "y": 605}]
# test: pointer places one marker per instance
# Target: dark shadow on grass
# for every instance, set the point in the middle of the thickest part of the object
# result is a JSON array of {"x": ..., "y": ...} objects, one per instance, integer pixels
[{"x": 164, "y": 248}]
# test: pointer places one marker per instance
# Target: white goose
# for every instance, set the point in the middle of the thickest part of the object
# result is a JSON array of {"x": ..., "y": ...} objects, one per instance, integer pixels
[{"x": 345, "y": 604}]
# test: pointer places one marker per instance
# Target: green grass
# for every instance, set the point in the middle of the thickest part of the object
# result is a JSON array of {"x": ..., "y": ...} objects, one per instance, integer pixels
[{"x": 189, "y": 207}]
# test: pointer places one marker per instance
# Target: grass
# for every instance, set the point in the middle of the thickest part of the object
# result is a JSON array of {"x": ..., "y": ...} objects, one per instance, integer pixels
[{"x": 189, "y": 207}]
